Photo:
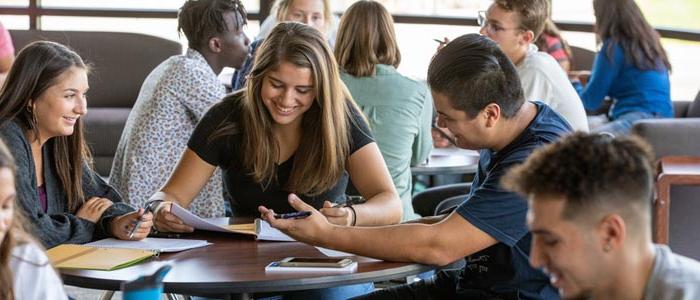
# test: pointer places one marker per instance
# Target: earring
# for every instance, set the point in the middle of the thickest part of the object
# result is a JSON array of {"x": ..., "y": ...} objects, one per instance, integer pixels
[
  {"x": 31, "y": 111},
  {"x": 607, "y": 247}
]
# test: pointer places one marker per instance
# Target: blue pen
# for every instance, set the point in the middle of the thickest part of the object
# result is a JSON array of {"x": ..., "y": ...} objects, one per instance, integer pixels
[{"x": 294, "y": 215}]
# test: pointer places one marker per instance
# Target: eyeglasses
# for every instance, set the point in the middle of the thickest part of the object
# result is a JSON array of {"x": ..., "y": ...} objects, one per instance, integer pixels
[{"x": 490, "y": 27}]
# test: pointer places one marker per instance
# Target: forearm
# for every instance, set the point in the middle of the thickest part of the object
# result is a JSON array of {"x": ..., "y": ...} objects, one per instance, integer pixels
[
  {"x": 405, "y": 243},
  {"x": 57, "y": 229},
  {"x": 427, "y": 220},
  {"x": 382, "y": 209}
]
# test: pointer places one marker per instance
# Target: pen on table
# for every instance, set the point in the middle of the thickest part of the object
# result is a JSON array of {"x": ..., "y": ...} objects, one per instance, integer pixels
[
  {"x": 293, "y": 215},
  {"x": 147, "y": 209},
  {"x": 445, "y": 135}
]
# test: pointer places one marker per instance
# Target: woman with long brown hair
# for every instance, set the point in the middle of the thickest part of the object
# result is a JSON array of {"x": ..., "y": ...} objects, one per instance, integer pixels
[
  {"x": 41, "y": 108},
  {"x": 25, "y": 271},
  {"x": 631, "y": 68},
  {"x": 294, "y": 132}
]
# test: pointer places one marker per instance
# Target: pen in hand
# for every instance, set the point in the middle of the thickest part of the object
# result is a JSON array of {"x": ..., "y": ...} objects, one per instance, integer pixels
[
  {"x": 293, "y": 215},
  {"x": 138, "y": 223}
]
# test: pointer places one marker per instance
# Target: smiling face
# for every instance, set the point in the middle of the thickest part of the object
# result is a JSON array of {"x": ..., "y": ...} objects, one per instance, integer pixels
[
  {"x": 469, "y": 132},
  {"x": 288, "y": 92},
  {"x": 309, "y": 12},
  {"x": 7, "y": 200},
  {"x": 58, "y": 108},
  {"x": 568, "y": 252}
]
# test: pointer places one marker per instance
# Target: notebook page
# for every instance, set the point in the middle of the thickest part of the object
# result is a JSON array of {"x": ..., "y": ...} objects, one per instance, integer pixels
[
  {"x": 156, "y": 244},
  {"x": 268, "y": 233},
  {"x": 193, "y": 220}
]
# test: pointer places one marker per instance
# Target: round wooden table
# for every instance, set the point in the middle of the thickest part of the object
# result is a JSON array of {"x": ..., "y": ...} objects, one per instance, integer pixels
[{"x": 235, "y": 264}]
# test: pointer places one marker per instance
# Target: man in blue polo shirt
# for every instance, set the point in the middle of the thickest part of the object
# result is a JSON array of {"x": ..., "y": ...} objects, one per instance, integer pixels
[{"x": 478, "y": 96}]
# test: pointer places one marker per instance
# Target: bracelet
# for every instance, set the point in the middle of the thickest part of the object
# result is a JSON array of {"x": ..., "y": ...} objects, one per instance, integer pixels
[
  {"x": 153, "y": 206},
  {"x": 354, "y": 214}
]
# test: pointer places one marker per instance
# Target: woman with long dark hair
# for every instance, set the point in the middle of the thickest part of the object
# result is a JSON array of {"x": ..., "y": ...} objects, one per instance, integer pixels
[
  {"x": 631, "y": 68},
  {"x": 41, "y": 108}
]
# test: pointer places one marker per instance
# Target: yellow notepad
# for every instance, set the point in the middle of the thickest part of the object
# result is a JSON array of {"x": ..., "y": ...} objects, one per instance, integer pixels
[{"x": 70, "y": 256}]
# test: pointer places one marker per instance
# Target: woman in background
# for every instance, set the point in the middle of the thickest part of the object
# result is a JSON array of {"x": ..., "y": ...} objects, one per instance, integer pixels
[
  {"x": 631, "y": 68},
  {"x": 551, "y": 42},
  {"x": 315, "y": 13},
  {"x": 41, "y": 108},
  {"x": 399, "y": 109}
]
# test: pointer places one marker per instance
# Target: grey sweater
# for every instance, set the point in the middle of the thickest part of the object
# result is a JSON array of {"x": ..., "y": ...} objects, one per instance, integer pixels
[{"x": 58, "y": 225}]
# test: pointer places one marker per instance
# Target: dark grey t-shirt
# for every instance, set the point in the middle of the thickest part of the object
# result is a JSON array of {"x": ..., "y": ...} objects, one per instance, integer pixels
[
  {"x": 245, "y": 193},
  {"x": 674, "y": 277}
]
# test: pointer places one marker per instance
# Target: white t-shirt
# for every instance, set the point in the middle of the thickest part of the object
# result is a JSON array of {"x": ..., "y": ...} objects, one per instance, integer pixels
[
  {"x": 674, "y": 277},
  {"x": 544, "y": 80},
  {"x": 34, "y": 276}
]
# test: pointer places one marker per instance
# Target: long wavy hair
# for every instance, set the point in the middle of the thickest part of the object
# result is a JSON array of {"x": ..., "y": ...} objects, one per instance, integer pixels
[
  {"x": 15, "y": 235},
  {"x": 36, "y": 68},
  {"x": 366, "y": 38},
  {"x": 325, "y": 141},
  {"x": 623, "y": 23}
]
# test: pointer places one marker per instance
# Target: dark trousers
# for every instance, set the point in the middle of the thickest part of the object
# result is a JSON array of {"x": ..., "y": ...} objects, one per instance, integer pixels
[{"x": 441, "y": 286}]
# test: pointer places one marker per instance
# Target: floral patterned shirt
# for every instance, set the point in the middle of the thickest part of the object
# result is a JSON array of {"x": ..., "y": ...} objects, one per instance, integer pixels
[{"x": 173, "y": 98}]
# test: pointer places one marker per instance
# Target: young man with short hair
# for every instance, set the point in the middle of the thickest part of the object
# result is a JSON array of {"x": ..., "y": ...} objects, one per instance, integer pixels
[
  {"x": 590, "y": 211},
  {"x": 174, "y": 97},
  {"x": 515, "y": 26},
  {"x": 478, "y": 96}
]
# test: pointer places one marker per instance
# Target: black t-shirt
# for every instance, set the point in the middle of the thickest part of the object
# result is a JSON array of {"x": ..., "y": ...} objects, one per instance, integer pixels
[{"x": 245, "y": 193}]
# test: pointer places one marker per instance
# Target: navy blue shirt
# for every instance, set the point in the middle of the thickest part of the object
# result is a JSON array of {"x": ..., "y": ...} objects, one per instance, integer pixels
[
  {"x": 503, "y": 269},
  {"x": 632, "y": 89},
  {"x": 239, "y": 76}
]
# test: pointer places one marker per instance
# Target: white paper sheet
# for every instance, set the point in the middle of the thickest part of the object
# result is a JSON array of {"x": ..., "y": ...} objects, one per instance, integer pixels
[
  {"x": 195, "y": 221},
  {"x": 333, "y": 253}
]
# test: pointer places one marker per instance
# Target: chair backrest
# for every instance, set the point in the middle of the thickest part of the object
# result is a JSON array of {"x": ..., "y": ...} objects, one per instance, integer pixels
[
  {"x": 675, "y": 137},
  {"x": 119, "y": 62},
  {"x": 670, "y": 136},
  {"x": 582, "y": 58},
  {"x": 694, "y": 108}
]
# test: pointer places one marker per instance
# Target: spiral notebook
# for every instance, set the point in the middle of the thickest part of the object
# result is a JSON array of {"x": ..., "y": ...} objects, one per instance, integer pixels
[
  {"x": 69, "y": 256},
  {"x": 153, "y": 244}
]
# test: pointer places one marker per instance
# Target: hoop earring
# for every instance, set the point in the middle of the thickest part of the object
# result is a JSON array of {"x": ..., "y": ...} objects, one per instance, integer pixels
[{"x": 31, "y": 111}]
